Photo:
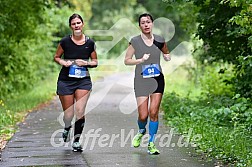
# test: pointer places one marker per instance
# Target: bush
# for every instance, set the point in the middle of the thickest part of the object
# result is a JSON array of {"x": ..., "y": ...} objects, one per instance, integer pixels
[
  {"x": 26, "y": 55},
  {"x": 216, "y": 79},
  {"x": 242, "y": 79},
  {"x": 225, "y": 127}
]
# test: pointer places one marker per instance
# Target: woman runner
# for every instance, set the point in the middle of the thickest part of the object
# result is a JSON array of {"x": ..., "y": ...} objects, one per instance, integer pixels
[
  {"x": 149, "y": 81},
  {"x": 74, "y": 83}
]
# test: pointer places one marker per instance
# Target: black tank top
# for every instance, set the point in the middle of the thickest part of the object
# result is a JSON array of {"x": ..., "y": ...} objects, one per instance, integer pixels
[{"x": 73, "y": 51}]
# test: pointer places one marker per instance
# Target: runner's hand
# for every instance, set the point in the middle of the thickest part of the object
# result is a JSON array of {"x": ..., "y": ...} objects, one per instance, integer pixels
[
  {"x": 80, "y": 62},
  {"x": 145, "y": 57},
  {"x": 167, "y": 57},
  {"x": 66, "y": 63}
]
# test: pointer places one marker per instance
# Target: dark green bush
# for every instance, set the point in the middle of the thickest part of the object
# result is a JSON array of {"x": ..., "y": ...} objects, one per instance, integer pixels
[
  {"x": 224, "y": 124},
  {"x": 243, "y": 76},
  {"x": 27, "y": 43}
]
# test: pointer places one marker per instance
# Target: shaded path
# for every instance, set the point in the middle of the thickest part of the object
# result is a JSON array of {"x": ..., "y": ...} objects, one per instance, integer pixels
[{"x": 110, "y": 125}]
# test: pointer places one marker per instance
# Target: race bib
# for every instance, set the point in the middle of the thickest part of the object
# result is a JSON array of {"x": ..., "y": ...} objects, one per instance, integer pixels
[
  {"x": 77, "y": 71},
  {"x": 151, "y": 70}
]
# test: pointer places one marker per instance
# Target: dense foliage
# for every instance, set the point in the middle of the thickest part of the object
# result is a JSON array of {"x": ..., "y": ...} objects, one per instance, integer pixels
[
  {"x": 29, "y": 33},
  {"x": 223, "y": 123},
  {"x": 106, "y": 14},
  {"x": 226, "y": 30},
  {"x": 178, "y": 13},
  {"x": 221, "y": 113},
  {"x": 25, "y": 38}
]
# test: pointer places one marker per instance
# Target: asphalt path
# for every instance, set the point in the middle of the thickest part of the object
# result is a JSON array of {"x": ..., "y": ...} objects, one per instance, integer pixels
[{"x": 111, "y": 123}]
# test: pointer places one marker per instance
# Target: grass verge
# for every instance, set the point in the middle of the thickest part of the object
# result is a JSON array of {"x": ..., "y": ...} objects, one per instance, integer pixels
[
  {"x": 223, "y": 123},
  {"x": 13, "y": 110}
]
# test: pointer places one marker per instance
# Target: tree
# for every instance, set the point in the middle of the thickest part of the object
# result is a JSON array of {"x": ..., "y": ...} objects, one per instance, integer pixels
[
  {"x": 105, "y": 15},
  {"x": 181, "y": 13},
  {"x": 18, "y": 22},
  {"x": 226, "y": 30},
  {"x": 27, "y": 33},
  {"x": 223, "y": 38}
]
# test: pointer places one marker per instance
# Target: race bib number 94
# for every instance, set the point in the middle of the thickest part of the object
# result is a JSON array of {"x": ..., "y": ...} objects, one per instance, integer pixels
[
  {"x": 77, "y": 71},
  {"x": 151, "y": 70}
]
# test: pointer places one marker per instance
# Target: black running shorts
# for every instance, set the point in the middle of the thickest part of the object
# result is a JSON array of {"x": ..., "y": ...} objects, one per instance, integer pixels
[
  {"x": 69, "y": 87},
  {"x": 147, "y": 86}
]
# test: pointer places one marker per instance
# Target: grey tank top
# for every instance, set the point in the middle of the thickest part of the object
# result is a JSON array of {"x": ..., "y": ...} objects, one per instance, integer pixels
[{"x": 141, "y": 48}]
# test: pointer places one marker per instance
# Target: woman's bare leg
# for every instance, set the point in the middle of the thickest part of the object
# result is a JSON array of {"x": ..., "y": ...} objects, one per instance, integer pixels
[
  {"x": 81, "y": 97},
  {"x": 67, "y": 102},
  {"x": 142, "y": 106},
  {"x": 155, "y": 101}
]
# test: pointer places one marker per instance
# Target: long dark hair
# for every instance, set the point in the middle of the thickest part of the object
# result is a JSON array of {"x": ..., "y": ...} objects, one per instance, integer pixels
[
  {"x": 75, "y": 15},
  {"x": 145, "y": 15}
]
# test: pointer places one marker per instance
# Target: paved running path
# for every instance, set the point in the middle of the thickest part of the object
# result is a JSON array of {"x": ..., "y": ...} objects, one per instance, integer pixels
[{"x": 110, "y": 125}]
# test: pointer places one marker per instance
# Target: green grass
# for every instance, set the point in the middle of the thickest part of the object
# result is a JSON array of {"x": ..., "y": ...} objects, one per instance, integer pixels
[
  {"x": 180, "y": 82},
  {"x": 14, "y": 109},
  {"x": 224, "y": 123}
]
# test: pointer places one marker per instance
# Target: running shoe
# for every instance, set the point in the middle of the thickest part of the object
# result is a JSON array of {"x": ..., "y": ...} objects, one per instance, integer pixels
[
  {"x": 137, "y": 139},
  {"x": 152, "y": 149},
  {"x": 66, "y": 135},
  {"x": 77, "y": 147}
]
